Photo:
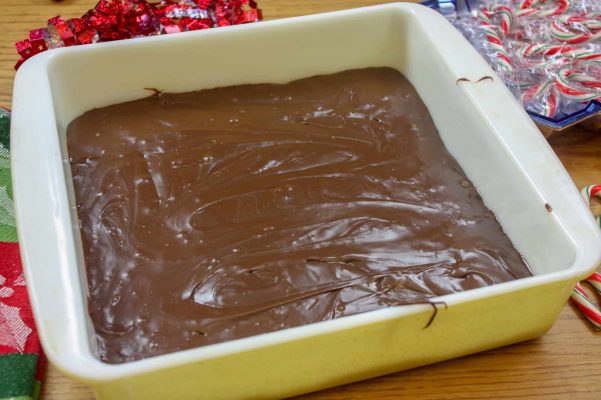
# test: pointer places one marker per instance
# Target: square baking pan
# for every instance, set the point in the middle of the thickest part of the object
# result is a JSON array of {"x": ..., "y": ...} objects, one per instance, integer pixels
[{"x": 482, "y": 125}]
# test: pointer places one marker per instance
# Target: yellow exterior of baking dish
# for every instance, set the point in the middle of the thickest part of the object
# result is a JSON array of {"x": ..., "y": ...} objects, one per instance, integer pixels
[
  {"x": 323, "y": 361},
  {"x": 482, "y": 125}
]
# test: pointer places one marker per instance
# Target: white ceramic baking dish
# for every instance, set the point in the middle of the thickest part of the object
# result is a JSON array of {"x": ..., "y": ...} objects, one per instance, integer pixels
[{"x": 482, "y": 125}]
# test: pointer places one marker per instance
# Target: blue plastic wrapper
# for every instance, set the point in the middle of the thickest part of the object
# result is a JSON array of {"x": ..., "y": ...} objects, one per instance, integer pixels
[{"x": 546, "y": 103}]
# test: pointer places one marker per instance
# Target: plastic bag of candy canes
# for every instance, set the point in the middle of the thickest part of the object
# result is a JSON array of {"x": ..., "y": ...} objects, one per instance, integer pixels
[{"x": 548, "y": 52}]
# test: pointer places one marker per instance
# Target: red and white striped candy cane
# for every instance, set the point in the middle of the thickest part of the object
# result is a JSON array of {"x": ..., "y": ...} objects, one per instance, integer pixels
[
  {"x": 595, "y": 281},
  {"x": 582, "y": 54},
  {"x": 542, "y": 55},
  {"x": 579, "y": 296},
  {"x": 531, "y": 9},
  {"x": 543, "y": 49},
  {"x": 527, "y": 3},
  {"x": 504, "y": 13},
  {"x": 588, "y": 88},
  {"x": 495, "y": 34},
  {"x": 586, "y": 306},
  {"x": 576, "y": 29},
  {"x": 547, "y": 89}
]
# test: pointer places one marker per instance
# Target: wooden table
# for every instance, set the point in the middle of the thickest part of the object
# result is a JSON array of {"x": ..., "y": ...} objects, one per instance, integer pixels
[{"x": 564, "y": 363}]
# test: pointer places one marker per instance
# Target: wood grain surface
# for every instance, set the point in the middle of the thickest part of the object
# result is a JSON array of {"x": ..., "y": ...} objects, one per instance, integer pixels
[{"x": 564, "y": 363}]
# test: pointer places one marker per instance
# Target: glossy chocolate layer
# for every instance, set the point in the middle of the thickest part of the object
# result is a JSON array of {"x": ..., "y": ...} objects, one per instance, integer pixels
[{"x": 215, "y": 215}]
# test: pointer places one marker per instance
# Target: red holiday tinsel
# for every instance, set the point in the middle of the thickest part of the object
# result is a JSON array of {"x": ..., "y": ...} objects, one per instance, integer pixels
[{"x": 125, "y": 19}]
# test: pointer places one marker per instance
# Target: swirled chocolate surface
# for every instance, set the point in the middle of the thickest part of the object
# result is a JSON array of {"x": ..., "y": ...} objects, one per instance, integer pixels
[{"x": 220, "y": 214}]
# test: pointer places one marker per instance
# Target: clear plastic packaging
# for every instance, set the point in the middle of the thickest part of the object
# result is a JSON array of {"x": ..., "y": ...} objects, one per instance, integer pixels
[{"x": 548, "y": 52}]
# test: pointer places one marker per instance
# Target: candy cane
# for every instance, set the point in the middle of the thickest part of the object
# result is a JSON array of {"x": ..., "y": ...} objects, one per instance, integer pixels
[
  {"x": 528, "y": 3},
  {"x": 553, "y": 54},
  {"x": 543, "y": 49},
  {"x": 579, "y": 296},
  {"x": 595, "y": 281},
  {"x": 586, "y": 306},
  {"x": 589, "y": 88},
  {"x": 583, "y": 54},
  {"x": 528, "y": 10},
  {"x": 537, "y": 55},
  {"x": 547, "y": 88},
  {"x": 550, "y": 106},
  {"x": 575, "y": 29},
  {"x": 505, "y": 14},
  {"x": 590, "y": 191},
  {"x": 494, "y": 35}
]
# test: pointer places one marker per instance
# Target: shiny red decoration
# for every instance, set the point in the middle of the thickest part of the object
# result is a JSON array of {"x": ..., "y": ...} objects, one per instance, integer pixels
[
  {"x": 36, "y": 39},
  {"x": 125, "y": 19}
]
